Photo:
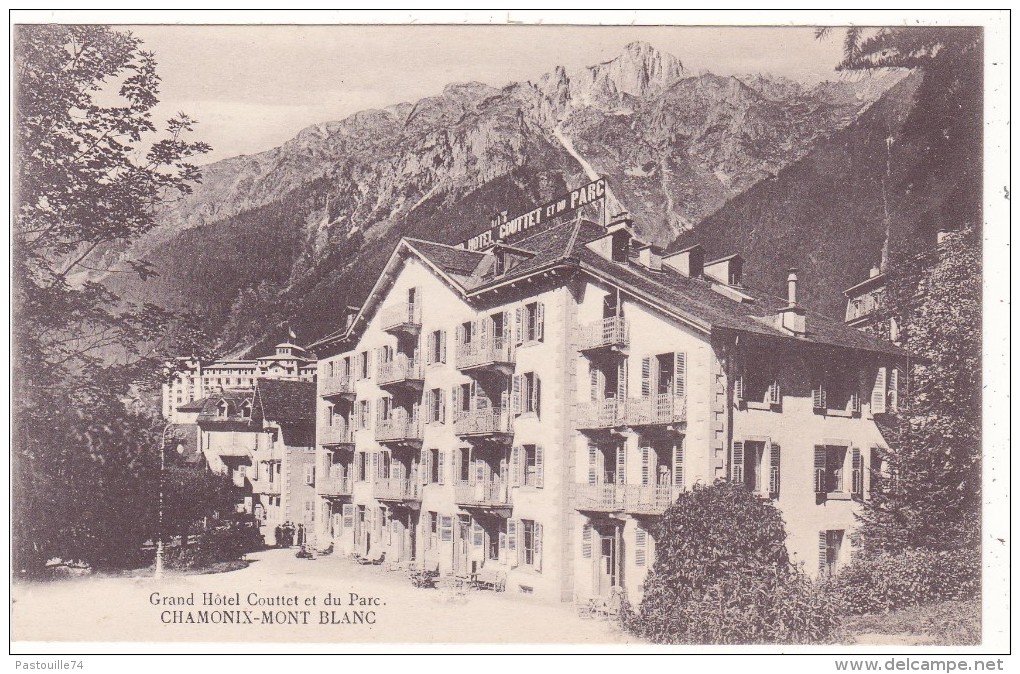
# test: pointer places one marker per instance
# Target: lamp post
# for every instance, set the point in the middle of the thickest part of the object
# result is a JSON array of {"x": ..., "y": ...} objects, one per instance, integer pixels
[{"x": 158, "y": 572}]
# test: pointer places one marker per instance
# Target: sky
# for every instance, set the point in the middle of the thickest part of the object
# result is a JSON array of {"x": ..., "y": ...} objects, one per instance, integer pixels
[{"x": 252, "y": 88}]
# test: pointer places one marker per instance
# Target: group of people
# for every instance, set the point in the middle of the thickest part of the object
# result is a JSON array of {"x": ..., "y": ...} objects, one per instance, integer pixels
[{"x": 287, "y": 535}]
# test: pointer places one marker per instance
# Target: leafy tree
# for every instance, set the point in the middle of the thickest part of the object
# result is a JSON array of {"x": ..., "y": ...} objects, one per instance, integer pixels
[
  {"x": 91, "y": 173},
  {"x": 722, "y": 574},
  {"x": 934, "y": 500}
]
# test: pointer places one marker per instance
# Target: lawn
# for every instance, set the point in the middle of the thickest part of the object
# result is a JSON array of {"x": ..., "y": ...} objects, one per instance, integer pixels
[{"x": 950, "y": 623}]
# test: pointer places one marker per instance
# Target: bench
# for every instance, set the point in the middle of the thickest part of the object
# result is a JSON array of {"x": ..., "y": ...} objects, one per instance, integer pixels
[{"x": 490, "y": 579}]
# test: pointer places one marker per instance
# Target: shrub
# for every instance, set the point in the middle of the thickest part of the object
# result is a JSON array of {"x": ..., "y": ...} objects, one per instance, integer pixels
[
  {"x": 221, "y": 544},
  {"x": 423, "y": 577},
  {"x": 722, "y": 574},
  {"x": 885, "y": 581}
]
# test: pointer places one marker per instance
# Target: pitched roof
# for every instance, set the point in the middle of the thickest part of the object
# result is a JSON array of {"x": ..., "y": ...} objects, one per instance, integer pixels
[
  {"x": 691, "y": 300},
  {"x": 193, "y": 406},
  {"x": 234, "y": 397},
  {"x": 285, "y": 400}
]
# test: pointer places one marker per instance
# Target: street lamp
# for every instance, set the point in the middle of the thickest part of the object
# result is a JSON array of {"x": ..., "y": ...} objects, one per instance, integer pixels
[{"x": 158, "y": 572}]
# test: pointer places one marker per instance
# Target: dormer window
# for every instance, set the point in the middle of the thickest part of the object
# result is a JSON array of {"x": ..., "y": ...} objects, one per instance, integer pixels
[
  {"x": 621, "y": 246},
  {"x": 500, "y": 262},
  {"x": 246, "y": 409},
  {"x": 223, "y": 409}
]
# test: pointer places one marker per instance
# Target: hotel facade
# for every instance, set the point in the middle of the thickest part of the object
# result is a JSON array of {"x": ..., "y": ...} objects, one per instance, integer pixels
[{"x": 530, "y": 409}]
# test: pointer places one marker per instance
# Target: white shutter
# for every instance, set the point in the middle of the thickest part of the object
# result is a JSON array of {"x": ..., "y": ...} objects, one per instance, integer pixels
[
  {"x": 621, "y": 464},
  {"x": 515, "y": 467},
  {"x": 678, "y": 465},
  {"x": 586, "y": 541},
  {"x": 640, "y": 547},
  {"x": 538, "y": 546},
  {"x": 820, "y": 461},
  {"x": 857, "y": 472},
  {"x": 621, "y": 380},
  {"x": 442, "y": 346},
  {"x": 774, "y": 462},
  {"x": 593, "y": 455},
  {"x": 515, "y": 396},
  {"x": 511, "y": 543},
  {"x": 646, "y": 467},
  {"x": 442, "y": 467},
  {"x": 539, "y": 467},
  {"x": 519, "y": 322},
  {"x": 775, "y": 395},
  {"x": 679, "y": 374},
  {"x": 893, "y": 400},
  {"x": 536, "y": 395},
  {"x": 646, "y": 377},
  {"x": 593, "y": 381},
  {"x": 429, "y": 348},
  {"x": 540, "y": 321}
]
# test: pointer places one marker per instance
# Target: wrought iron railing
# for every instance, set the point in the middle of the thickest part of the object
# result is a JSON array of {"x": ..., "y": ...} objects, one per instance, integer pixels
[
  {"x": 406, "y": 314},
  {"x": 611, "y": 331},
  {"x": 484, "y": 352},
  {"x": 482, "y": 493},
  {"x": 400, "y": 368},
  {"x": 623, "y": 497},
  {"x": 483, "y": 421},
  {"x": 403, "y": 489},
  {"x": 398, "y": 427}
]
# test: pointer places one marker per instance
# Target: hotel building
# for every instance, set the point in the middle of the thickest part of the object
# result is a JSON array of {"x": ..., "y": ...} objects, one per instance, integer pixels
[{"x": 530, "y": 409}]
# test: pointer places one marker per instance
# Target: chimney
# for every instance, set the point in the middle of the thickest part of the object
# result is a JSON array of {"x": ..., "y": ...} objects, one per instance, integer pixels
[
  {"x": 791, "y": 317},
  {"x": 690, "y": 261},
  {"x": 727, "y": 270},
  {"x": 650, "y": 257}
]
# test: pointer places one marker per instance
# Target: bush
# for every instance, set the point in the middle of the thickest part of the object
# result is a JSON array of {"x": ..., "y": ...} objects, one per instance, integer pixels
[
  {"x": 885, "y": 581},
  {"x": 423, "y": 577},
  {"x": 222, "y": 544},
  {"x": 722, "y": 574}
]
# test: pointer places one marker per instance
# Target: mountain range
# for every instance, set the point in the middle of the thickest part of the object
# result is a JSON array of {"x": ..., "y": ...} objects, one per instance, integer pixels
[{"x": 740, "y": 164}]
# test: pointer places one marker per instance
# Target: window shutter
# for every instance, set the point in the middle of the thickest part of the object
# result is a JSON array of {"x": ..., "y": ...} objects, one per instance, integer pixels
[
  {"x": 442, "y": 406},
  {"x": 429, "y": 349},
  {"x": 442, "y": 346},
  {"x": 309, "y": 474},
  {"x": 480, "y": 330},
  {"x": 375, "y": 465},
  {"x": 738, "y": 387},
  {"x": 775, "y": 397},
  {"x": 857, "y": 472},
  {"x": 519, "y": 323},
  {"x": 442, "y": 467},
  {"x": 621, "y": 464},
  {"x": 536, "y": 395},
  {"x": 540, "y": 321},
  {"x": 446, "y": 529},
  {"x": 504, "y": 477},
  {"x": 477, "y": 534},
  {"x": 515, "y": 466},
  {"x": 678, "y": 465},
  {"x": 818, "y": 396},
  {"x": 459, "y": 334},
  {"x": 774, "y": 454},
  {"x": 515, "y": 396},
  {"x": 893, "y": 399},
  {"x": 820, "y": 456},
  {"x": 621, "y": 380},
  {"x": 737, "y": 467},
  {"x": 640, "y": 547},
  {"x": 593, "y": 455},
  {"x": 593, "y": 381},
  {"x": 455, "y": 400},
  {"x": 507, "y": 329},
  {"x": 679, "y": 374},
  {"x": 348, "y": 516},
  {"x": 878, "y": 392},
  {"x": 423, "y": 472},
  {"x": 823, "y": 553},
  {"x": 539, "y": 467},
  {"x": 511, "y": 543},
  {"x": 646, "y": 468},
  {"x": 646, "y": 377},
  {"x": 538, "y": 546},
  {"x": 586, "y": 541},
  {"x": 479, "y": 471},
  {"x": 368, "y": 363},
  {"x": 368, "y": 411}
]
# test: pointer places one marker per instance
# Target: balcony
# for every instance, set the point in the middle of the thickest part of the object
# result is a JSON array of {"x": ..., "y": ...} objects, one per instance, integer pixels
[
  {"x": 401, "y": 371},
  {"x": 623, "y": 498},
  {"x": 663, "y": 409},
  {"x": 399, "y": 430},
  {"x": 606, "y": 335},
  {"x": 401, "y": 318},
  {"x": 606, "y": 413},
  {"x": 336, "y": 435},
  {"x": 340, "y": 386},
  {"x": 486, "y": 495},
  {"x": 333, "y": 485},
  {"x": 494, "y": 422},
  {"x": 234, "y": 450},
  {"x": 265, "y": 486},
  {"x": 494, "y": 354},
  {"x": 658, "y": 409},
  {"x": 397, "y": 489}
]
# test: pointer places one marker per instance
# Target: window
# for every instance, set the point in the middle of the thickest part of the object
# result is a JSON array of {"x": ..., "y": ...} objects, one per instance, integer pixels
[
  {"x": 530, "y": 543},
  {"x": 830, "y": 543},
  {"x": 433, "y": 529},
  {"x": 436, "y": 347},
  {"x": 362, "y": 466},
  {"x": 466, "y": 332},
  {"x": 385, "y": 463},
  {"x": 492, "y": 549},
  {"x": 528, "y": 528},
  {"x": 664, "y": 374},
  {"x": 464, "y": 467},
  {"x": 526, "y": 393},
  {"x": 364, "y": 412},
  {"x": 836, "y": 388},
  {"x": 756, "y": 384},
  {"x": 464, "y": 399},
  {"x": 530, "y": 465},
  {"x": 435, "y": 406},
  {"x": 330, "y": 414},
  {"x": 435, "y": 461},
  {"x": 246, "y": 409},
  {"x": 533, "y": 317},
  {"x": 363, "y": 365},
  {"x": 621, "y": 246},
  {"x": 500, "y": 262},
  {"x": 830, "y": 471},
  {"x": 756, "y": 465}
]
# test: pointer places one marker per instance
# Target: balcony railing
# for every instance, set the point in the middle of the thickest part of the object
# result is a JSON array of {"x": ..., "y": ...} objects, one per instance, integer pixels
[
  {"x": 232, "y": 449},
  {"x": 405, "y": 316},
  {"x": 483, "y": 353},
  {"x": 658, "y": 409},
  {"x": 338, "y": 434},
  {"x": 605, "y": 413},
  {"x": 394, "y": 489},
  {"x": 611, "y": 412},
  {"x": 265, "y": 486},
  {"x": 630, "y": 498},
  {"x": 400, "y": 369},
  {"x": 340, "y": 385},
  {"x": 612, "y": 332},
  {"x": 482, "y": 493},
  {"x": 333, "y": 485},
  {"x": 492, "y": 421},
  {"x": 398, "y": 429}
]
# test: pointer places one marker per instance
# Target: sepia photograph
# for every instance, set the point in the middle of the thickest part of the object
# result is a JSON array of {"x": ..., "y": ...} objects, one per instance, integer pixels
[{"x": 510, "y": 334}]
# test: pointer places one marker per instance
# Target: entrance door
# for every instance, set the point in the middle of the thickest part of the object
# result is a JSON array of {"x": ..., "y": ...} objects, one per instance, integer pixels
[
  {"x": 460, "y": 553},
  {"x": 607, "y": 574},
  {"x": 412, "y": 537}
]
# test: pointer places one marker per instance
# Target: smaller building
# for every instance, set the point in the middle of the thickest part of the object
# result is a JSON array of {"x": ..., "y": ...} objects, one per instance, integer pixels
[{"x": 264, "y": 438}]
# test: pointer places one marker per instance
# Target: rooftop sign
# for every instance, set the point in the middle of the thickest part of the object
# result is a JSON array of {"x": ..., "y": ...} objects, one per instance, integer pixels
[{"x": 502, "y": 229}]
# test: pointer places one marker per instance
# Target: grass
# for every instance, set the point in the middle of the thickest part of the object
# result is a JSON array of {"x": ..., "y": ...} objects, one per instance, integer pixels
[{"x": 950, "y": 623}]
